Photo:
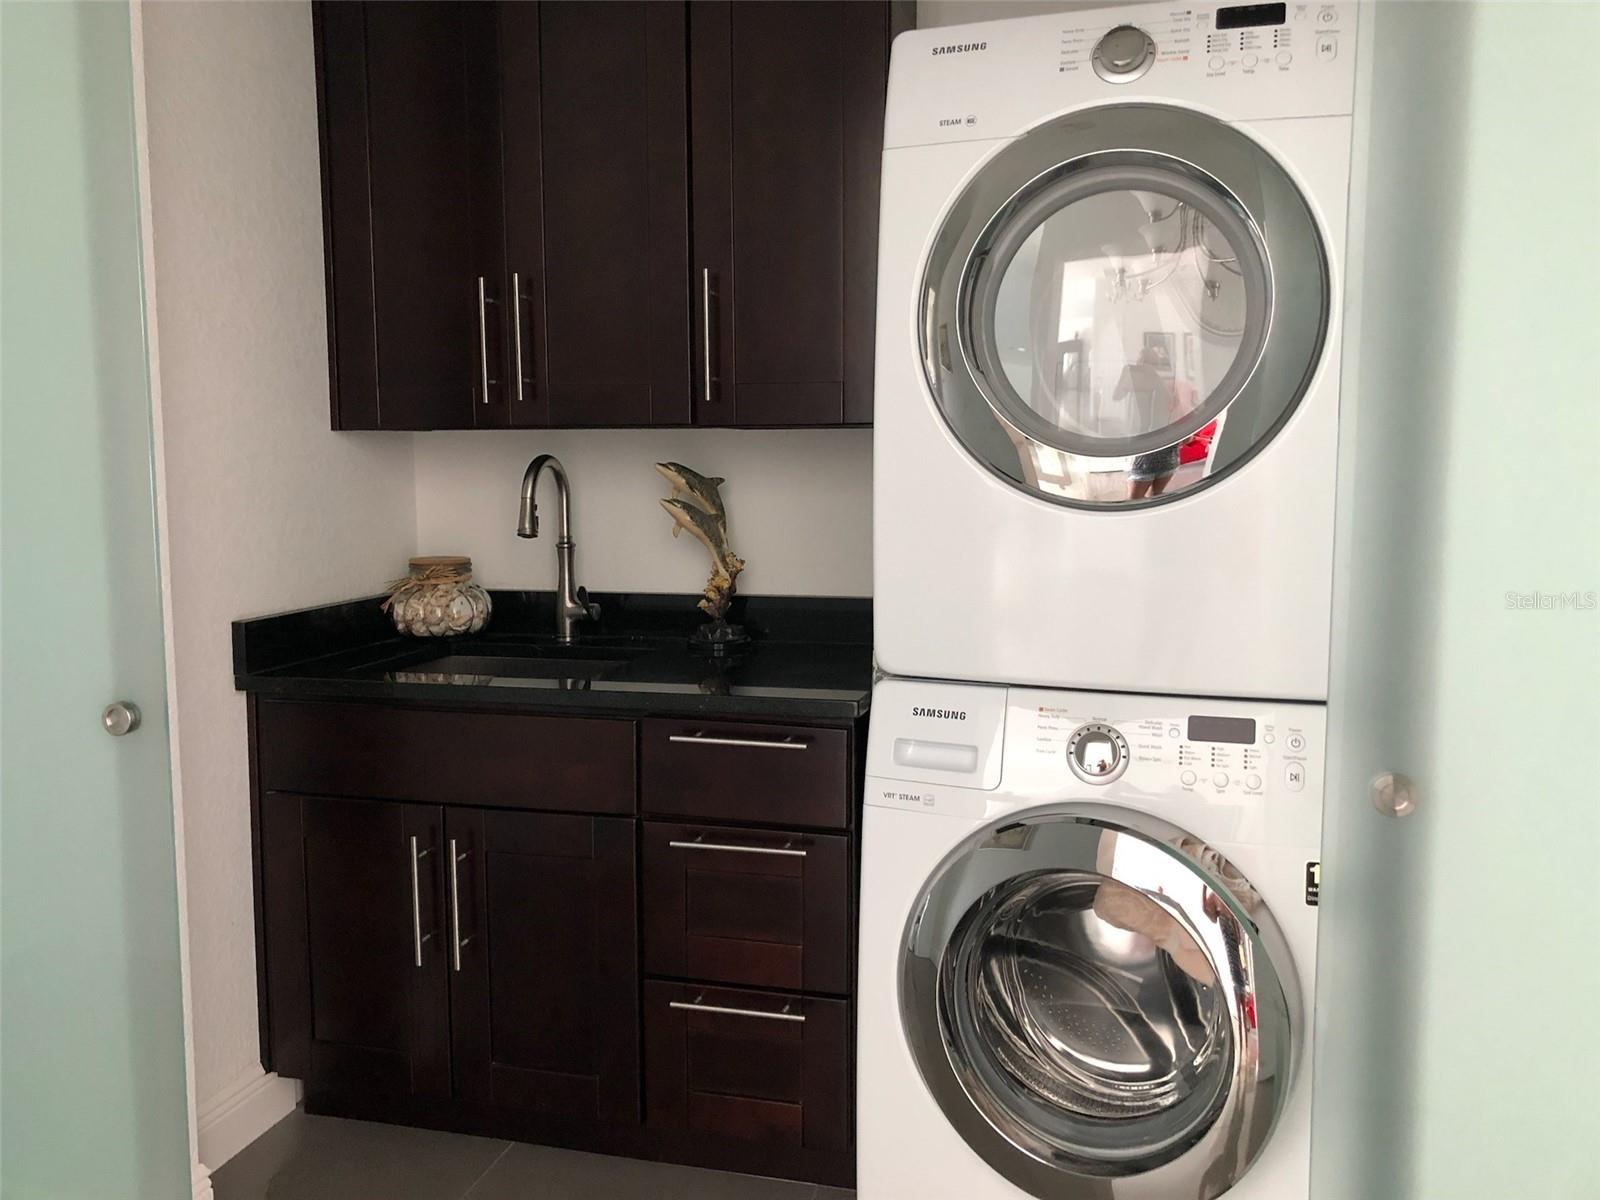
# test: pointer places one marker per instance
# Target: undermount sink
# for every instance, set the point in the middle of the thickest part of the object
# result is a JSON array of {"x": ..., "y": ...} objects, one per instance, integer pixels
[
  {"x": 519, "y": 666},
  {"x": 534, "y": 659}
]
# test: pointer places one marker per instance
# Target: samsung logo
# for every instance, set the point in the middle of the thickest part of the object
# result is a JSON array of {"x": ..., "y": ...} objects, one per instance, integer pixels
[
  {"x": 961, "y": 48},
  {"x": 943, "y": 714}
]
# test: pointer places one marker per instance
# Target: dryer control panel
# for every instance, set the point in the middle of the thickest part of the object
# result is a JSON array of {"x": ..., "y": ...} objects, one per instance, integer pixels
[{"x": 1241, "y": 62}]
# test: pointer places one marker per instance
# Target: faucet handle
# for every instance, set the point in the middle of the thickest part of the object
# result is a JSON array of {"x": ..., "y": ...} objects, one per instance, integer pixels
[{"x": 592, "y": 609}]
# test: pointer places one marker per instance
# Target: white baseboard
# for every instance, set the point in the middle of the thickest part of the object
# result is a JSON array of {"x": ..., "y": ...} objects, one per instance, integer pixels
[
  {"x": 227, "y": 1123},
  {"x": 202, "y": 1183}
]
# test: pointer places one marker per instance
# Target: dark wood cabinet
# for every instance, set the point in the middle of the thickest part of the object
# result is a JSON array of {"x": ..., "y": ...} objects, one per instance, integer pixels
[
  {"x": 354, "y": 944},
  {"x": 597, "y": 211},
  {"x": 759, "y": 1067},
  {"x": 767, "y": 908},
  {"x": 508, "y": 190},
  {"x": 449, "y": 906},
  {"x": 544, "y": 984},
  {"x": 415, "y": 254},
  {"x": 788, "y": 102}
]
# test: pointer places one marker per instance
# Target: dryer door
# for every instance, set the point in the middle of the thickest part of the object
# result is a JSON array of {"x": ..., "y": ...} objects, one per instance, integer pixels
[
  {"x": 1123, "y": 306},
  {"x": 1093, "y": 995}
]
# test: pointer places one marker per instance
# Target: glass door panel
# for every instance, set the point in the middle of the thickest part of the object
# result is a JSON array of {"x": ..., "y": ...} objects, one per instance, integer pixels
[{"x": 92, "y": 1086}]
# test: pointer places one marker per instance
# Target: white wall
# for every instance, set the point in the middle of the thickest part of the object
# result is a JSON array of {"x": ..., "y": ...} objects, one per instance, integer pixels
[
  {"x": 799, "y": 507},
  {"x": 265, "y": 508}
]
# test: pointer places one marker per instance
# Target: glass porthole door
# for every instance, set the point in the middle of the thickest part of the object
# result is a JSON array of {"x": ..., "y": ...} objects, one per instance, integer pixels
[
  {"x": 1123, "y": 306},
  {"x": 1091, "y": 994}
]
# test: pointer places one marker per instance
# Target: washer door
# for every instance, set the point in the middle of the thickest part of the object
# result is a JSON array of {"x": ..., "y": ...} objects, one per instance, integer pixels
[
  {"x": 1101, "y": 1005},
  {"x": 1124, "y": 306}
]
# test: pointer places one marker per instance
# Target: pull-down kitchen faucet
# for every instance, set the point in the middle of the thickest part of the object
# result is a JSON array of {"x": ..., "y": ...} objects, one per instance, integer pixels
[{"x": 572, "y": 604}]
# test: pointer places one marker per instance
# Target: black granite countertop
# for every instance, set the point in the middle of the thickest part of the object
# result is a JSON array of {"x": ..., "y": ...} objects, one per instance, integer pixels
[{"x": 810, "y": 658}]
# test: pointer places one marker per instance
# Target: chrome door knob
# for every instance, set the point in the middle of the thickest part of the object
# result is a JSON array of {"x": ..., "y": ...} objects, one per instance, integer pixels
[{"x": 121, "y": 718}]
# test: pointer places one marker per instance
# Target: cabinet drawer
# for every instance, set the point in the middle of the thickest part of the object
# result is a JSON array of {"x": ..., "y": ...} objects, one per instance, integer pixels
[
  {"x": 778, "y": 774},
  {"x": 762, "y": 908},
  {"x": 752, "y": 1066},
  {"x": 505, "y": 760}
]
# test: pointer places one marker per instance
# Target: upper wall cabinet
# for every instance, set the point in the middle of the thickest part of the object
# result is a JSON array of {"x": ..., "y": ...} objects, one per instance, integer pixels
[
  {"x": 409, "y": 102},
  {"x": 507, "y": 198},
  {"x": 787, "y": 134}
]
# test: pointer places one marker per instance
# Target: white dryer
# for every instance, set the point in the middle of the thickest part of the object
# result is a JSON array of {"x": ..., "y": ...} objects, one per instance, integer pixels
[
  {"x": 1087, "y": 946},
  {"x": 1107, "y": 356}
]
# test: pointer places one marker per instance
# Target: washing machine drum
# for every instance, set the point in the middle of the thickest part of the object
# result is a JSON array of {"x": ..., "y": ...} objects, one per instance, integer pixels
[
  {"x": 1101, "y": 1005},
  {"x": 1123, "y": 306}
]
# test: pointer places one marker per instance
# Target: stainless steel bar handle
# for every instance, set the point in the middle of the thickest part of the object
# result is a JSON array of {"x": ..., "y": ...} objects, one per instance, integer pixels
[
  {"x": 417, "y": 936},
  {"x": 456, "y": 940},
  {"x": 786, "y": 1015},
  {"x": 516, "y": 329},
  {"x": 731, "y": 848},
  {"x": 483, "y": 336},
  {"x": 705, "y": 739},
  {"x": 708, "y": 305}
]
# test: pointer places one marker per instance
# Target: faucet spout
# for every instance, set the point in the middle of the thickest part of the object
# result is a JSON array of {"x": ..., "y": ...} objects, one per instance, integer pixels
[
  {"x": 528, "y": 509},
  {"x": 572, "y": 603}
]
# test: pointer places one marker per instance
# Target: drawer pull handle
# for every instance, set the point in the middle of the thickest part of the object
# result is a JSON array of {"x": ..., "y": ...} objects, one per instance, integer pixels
[
  {"x": 731, "y": 848},
  {"x": 785, "y": 1015},
  {"x": 705, "y": 739}
]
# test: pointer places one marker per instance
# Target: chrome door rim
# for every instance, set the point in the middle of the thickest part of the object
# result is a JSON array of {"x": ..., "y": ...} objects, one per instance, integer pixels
[
  {"x": 1241, "y": 183},
  {"x": 1243, "y": 945}
]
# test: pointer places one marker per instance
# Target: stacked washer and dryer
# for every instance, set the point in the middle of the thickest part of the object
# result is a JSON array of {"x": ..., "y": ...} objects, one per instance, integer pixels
[{"x": 1107, "y": 409}]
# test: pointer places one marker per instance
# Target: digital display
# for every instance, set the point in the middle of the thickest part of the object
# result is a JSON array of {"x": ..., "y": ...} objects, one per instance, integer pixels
[
  {"x": 1240, "y": 730},
  {"x": 1246, "y": 16}
]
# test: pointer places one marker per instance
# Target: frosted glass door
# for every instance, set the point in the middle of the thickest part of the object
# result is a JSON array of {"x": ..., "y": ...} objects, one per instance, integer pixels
[
  {"x": 1459, "y": 962},
  {"x": 92, "y": 1091}
]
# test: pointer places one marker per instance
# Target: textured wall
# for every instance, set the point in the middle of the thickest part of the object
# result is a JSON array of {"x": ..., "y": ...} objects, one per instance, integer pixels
[{"x": 266, "y": 509}]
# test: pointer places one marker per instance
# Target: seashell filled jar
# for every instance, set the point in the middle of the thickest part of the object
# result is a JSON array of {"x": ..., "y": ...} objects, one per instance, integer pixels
[{"x": 438, "y": 598}]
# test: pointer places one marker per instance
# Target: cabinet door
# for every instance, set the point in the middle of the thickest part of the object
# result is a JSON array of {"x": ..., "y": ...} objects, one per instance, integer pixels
[
  {"x": 544, "y": 985},
  {"x": 788, "y": 131},
  {"x": 357, "y": 992},
  {"x": 409, "y": 104},
  {"x": 597, "y": 212}
]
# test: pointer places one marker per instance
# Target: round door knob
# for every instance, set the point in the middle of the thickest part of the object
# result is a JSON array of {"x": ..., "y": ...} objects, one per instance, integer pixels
[{"x": 121, "y": 718}]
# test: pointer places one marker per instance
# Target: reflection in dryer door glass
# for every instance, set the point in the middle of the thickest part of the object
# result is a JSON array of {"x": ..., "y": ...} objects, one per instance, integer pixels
[{"x": 1118, "y": 316}]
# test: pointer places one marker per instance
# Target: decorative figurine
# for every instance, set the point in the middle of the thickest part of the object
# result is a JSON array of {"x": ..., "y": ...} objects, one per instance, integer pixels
[{"x": 696, "y": 505}]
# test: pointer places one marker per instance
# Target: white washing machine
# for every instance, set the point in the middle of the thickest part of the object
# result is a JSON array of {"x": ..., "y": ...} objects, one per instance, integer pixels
[
  {"x": 1087, "y": 942},
  {"x": 1107, "y": 356}
]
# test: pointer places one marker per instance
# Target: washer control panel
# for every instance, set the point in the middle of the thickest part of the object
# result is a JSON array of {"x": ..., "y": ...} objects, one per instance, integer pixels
[
  {"x": 1206, "y": 753},
  {"x": 1234, "y": 771}
]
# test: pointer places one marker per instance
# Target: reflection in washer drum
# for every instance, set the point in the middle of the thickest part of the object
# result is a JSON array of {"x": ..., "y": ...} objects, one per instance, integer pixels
[
  {"x": 1101, "y": 1005},
  {"x": 1089, "y": 1014}
]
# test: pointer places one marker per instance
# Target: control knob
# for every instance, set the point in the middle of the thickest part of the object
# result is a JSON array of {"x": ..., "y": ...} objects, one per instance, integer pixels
[
  {"x": 1097, "y": 753},
  {"x": 1123, "y": 54}
]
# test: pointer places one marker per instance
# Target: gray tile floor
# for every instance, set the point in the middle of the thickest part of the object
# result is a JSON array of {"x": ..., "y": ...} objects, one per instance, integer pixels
[{"x": 326, "y": 1158}]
